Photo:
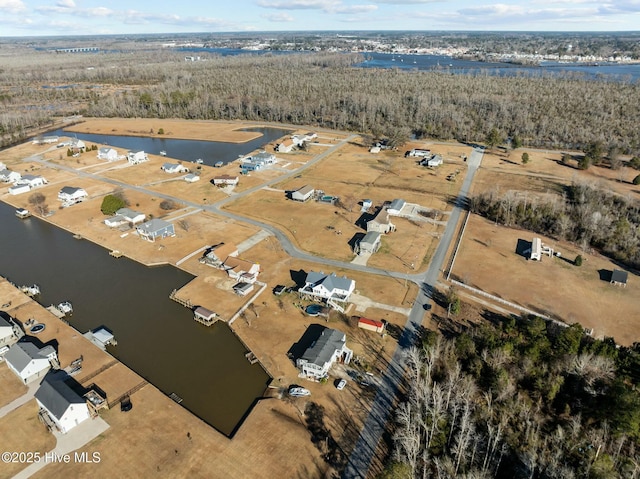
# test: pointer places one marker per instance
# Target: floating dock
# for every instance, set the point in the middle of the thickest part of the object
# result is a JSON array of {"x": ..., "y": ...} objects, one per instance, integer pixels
[
  {"x": 56, "y": 312},
  {"x": 175, "y": 397},
  {"x": 116, "y": 254}
]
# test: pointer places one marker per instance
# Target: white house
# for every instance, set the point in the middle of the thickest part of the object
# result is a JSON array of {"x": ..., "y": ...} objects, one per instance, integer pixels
[
  {"x": 32, "y": 181},
  {"x": 285, "y": 146},
  {"x": 174, "y": 168},
  {"x": 18, "y": 189},
  {"x": 301, "y": 138},
  {"x": 224, "y": 180},
  {"x": 136, "y": 157},
  {"x": 396, "y": 206},
  {"x": 374, "y": 149},
  {"x": 326, "y": 350},
  {"x": 28, "y": 362},
  {"x": 63, "y": 405},
  {"x": 328, "y": 287},
  {"x": 191, "y": 178},
  {"x": 303, "y": 194},
  {"x": 241, "y": 270},
  {"x": 43, "y": 140},
  {"x": 7, "y": 330},
  {"x": 264, "y": 157},
  {"x": 9, "y": 176},
  {"x": 419, "y": 152},
  {"x": 109, "y": 154},
  {"x": 71, "y": 194},
  {"x": 2, "y": 166},
  {"x": 76, "y": 144},
  {"x": 125, "y": 216},
  {"x": 370, "y": 243},
  {"x": 432, "y": 162}
]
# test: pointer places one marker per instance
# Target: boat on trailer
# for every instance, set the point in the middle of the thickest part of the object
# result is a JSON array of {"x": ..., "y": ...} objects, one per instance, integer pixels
[
  {"x": 66, "y": 307},
  {"x": 299, "y": 392}
]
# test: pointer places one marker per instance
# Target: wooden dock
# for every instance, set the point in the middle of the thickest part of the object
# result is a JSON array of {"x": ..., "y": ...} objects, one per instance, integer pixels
[
  {"x": 175, "y": 397},
  {"x": 116, "y": 254},
  {"x": 252, "y": 358},
  {"x": 56, "y": 312}
]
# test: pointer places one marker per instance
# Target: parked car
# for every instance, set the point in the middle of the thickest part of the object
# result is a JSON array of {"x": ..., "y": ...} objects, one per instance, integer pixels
[{"x": 341, "y": 384}]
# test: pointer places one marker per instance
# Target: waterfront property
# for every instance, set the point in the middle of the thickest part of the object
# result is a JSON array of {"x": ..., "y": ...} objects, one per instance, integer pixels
[
  {"x": 29, "y": 362},
  {"x": 155, "y": 229},
  {"x": 216, "y": 255},
  {"x": 61, "y": 404},
  {"x": 72, "y": 194},
  {"x": 101, "y": 337},
  {"x": 44, "y": 140},
  {"x": 204, "y": 316},
  {"x": 174, "y": 168},
  {"x": 241, "y": 270},
  {"x": 9, "y": 331},
  {"x": 319, "y": 357},
  {"x": 285, "y": 146}
]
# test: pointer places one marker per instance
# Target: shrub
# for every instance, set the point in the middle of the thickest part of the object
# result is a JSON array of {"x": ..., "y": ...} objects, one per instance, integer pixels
[
  {"x": 578, "y": 260},
  {"x": 111, "y": 204},
  {"x": 160, "y": 131},
  {"x": 525, "y": 158},
  {"x": 167, "y": 205},
  {"x": 636, "y": 180}
]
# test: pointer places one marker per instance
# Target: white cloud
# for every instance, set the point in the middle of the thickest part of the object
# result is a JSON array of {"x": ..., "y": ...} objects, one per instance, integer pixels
[
  {"x": 299, "y": 4},
  {"x": 12, "y": 6},
  {"x": 66, "y": 3},
  {"x": 279, "y": 17},
  {"x": 353, "y": 9},
  {"x": 407, "y": 2}
]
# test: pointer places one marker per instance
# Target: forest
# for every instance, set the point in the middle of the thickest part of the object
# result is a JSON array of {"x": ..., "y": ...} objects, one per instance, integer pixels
[
  {"x": 585, "y": 214},
  {"x": 519, "y": 398},
  {"x": 324, "y": 90}
]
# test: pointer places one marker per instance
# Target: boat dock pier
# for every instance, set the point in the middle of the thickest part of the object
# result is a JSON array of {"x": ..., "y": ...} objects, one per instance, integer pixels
[{"x": 56, "y": 312}]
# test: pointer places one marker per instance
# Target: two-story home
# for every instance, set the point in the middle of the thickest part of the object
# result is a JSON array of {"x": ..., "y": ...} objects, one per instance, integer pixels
[
  {"x": 29, "y": 362},
  {"x": 320, "y": 356},
  {"x": 63, "y": 405},
  {"x": 328, "y": 287}
]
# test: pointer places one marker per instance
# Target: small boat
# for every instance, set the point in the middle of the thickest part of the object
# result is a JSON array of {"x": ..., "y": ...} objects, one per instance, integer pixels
[
  {"x": 22, "y": 213},
  {"x": 218, "y": 164},
  {"x": 299, "y": 392},
  {"x": 163, "y": 153},
  {"x": 32, "y": 290},
  {"x": 198, "y": 161},
  {"x": 66, "y": 307}
]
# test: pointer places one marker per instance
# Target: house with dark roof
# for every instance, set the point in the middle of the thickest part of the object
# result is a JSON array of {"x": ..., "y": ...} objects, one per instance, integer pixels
[
  {"x": 7, "y": 329},
  {"x": 155, "y": 229},
  {"x": 328, "y": 287},
  {"x": 619, "y": 277},
  {"x": 320, "y": 356},
  {"x": 370, "y": 243},
  {"x": 29, "y": 362},
  {"x": 73, "y": 194},
  {"x": 63, "y": 405}
]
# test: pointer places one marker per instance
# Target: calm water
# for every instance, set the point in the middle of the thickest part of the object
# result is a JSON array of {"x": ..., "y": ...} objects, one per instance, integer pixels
[
  {"x": 156, "y": 337},
  {"x": 187, "y": 150}
]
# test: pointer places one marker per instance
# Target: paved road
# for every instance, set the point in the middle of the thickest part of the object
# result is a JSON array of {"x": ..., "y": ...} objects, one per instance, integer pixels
[{"x": 382, "y": 406}]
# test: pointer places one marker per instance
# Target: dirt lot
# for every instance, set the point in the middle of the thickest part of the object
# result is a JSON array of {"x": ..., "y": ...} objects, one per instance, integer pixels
[
  {"x": 487, "y": 260},
  {"x": 12, "y": 387}
]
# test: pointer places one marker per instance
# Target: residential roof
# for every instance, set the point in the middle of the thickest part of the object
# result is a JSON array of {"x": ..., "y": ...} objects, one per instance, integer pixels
[
  {"x": 330, "y": 281},
  {"x": 305, "y": 190},
  {"x": 323, "y": 349},
  {"x": 371, "y": 237},
  {"x": 397, "y": 204},
  {"x": 225, "y": 177},
  {"x": 128, "y": 212},
  {"x": 618, "y": 276},
  {"x": 102, "y": 335},
  {"x": 30, "y": 177},
  {"x": 204, "y": 312},
  {"x": 154, "y": 225},
  {"x": 224, "y": 249},
  {"x": 69, "y": 190},
  {"x": 263, "y": 155},
  {"x": 170, "y": 166},
  {"x": 371, "y": 322},
  {"x": 21, "y": 354},
  {"x": 381, "y": 217},
  {"x": 105, "y": 149},
  {"x": 242, "y": 287},
  {"x": 4, "y": 323},
  {"x": 57, "y": 396},
  {"x": 238, "y": 264}
]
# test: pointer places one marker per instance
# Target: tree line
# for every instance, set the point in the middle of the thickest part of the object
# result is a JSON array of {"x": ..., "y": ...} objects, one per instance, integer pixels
[
  {"x": 519, "y": 398},
  {"x": 326, "y": 90}
]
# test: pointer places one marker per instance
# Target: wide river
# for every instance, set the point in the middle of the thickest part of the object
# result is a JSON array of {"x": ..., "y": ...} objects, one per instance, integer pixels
[{"x": 157, "y": 338}]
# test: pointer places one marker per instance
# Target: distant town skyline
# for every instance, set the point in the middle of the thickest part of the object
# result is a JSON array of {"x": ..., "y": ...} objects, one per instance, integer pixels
[{"x": 91, "y": 17}]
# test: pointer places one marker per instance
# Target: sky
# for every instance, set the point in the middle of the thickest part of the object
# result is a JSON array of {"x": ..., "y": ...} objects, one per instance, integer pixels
[{"x": 86, "y": 17}]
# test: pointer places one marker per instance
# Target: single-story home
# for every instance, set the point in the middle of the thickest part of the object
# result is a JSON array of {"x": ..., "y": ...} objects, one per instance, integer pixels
[
  {"x": 241, "y": 270},
  {"x": 29, "y": 362},
  {"x": 64, "y": 406},
  {"x": 204, "y": 316},
  {"x": 619, "y": 277},
  {"x": 320, "y": 356},
  {"x": 264, "y": 157},
  {"x": 218, "y": 253},
  {"x": 224, "y": 180},
  {"x": 135, "y": 157},
  {"x": 303, "y": 194},
  {"x": 191, "y": 178},
  {"x": 328, "y": 286},
  {"x": 396, "y": 206},
  {"x": 434, "y": 161},
  {"x": 72, "y": 194},
  {"x": 109, "y": 154},
  {"x": 32, "y": 181},
  {"x": 419, "y": 152},
  {"x": 371, "y": 325},
  {"x": 9, "y": 176},
  {"x": 285, "y": 146},
  {"x": 19, "y": 189},
  {"x": 155, "y": 229},
  {"x": 381, "y": 222},
  {"x": 370, "y": 243},
  {"x": 76, "y": 144},
  {"x": 301, "y": 138},
  {"x": 242, "y": 289},
  {"x": 174, "y": 168},
  {"x": 125, "y": 216}
]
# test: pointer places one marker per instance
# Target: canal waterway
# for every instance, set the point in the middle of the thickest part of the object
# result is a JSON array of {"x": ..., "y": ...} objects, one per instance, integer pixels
[
  {"x": 157, "y": 337},
  {"x": 210, "y": 152}
]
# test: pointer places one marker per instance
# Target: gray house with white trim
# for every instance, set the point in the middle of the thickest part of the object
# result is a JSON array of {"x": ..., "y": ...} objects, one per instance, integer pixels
[
  {"x": 63, "y": 405},
  {"x": 155, "y": 229},
  {"x": 29, "y": 362},
  {"x": 370, "y": 243},
  {"x": 326, "y": 350}
]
